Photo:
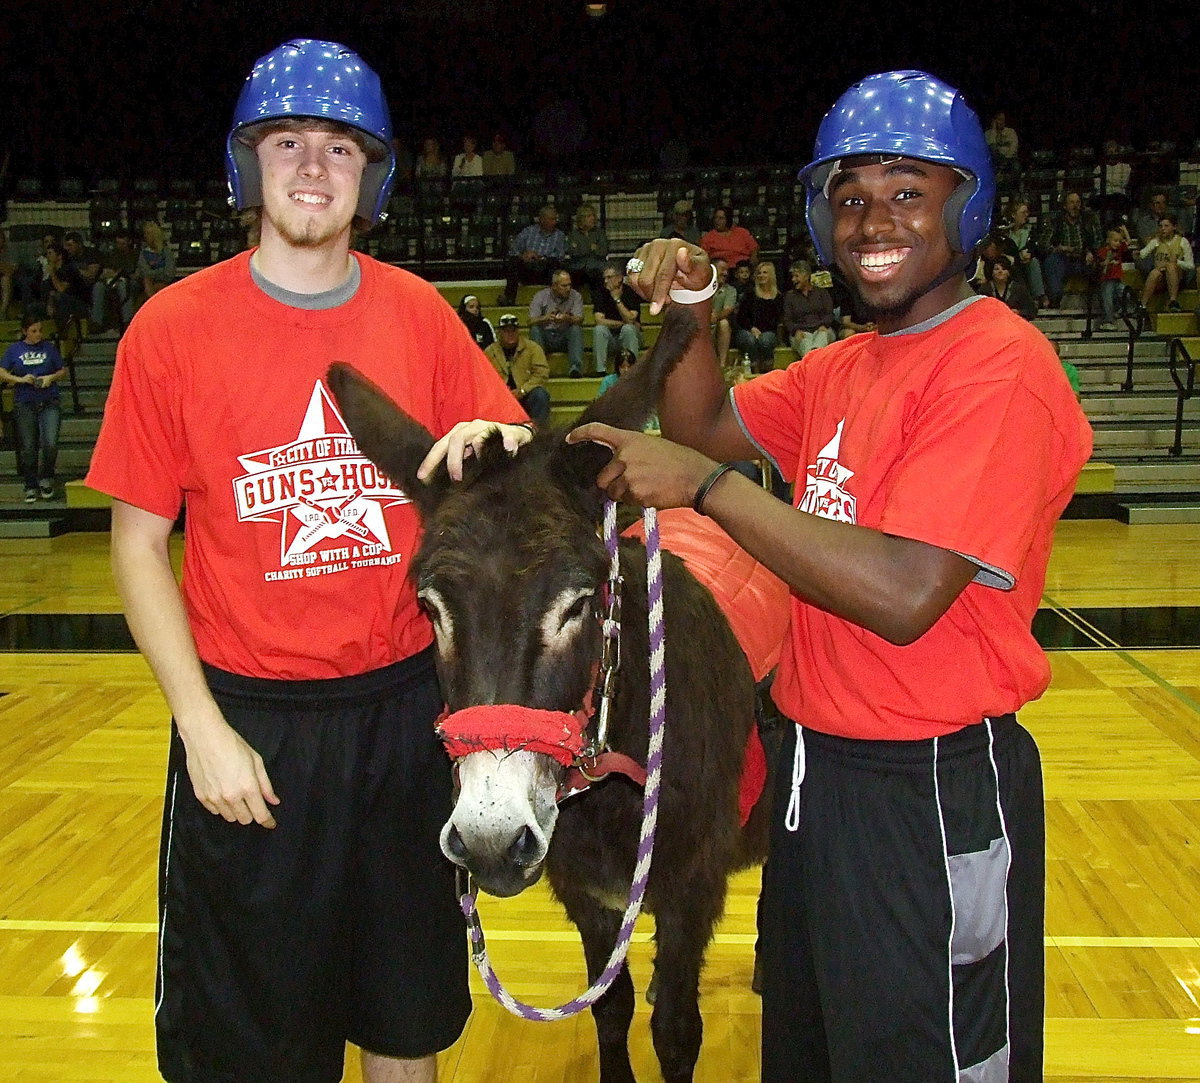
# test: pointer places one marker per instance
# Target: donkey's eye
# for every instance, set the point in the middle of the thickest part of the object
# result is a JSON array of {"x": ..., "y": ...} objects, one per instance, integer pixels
[
  {"x": 431, "y": 602},
  {"x": 579, "y": 609}
]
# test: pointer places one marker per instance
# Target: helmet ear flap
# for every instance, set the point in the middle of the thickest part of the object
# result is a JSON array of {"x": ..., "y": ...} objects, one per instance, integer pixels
[
  {"x": 248, "y": 192},
  {"x": 820, "y": 225},
  {"x": 952, "y": 214}
]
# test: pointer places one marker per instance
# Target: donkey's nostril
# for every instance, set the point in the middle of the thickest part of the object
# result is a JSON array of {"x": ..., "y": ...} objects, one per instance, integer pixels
[
  {"x": 456, "y": 849},
  {"x": 526, "y": 848}
]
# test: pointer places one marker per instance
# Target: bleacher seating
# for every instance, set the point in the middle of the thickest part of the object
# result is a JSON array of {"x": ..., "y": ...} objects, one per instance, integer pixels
[{"x": 458, "y": 231}]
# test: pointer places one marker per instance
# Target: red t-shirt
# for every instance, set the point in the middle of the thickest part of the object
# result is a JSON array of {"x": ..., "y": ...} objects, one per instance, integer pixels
[
  {"x": 297, "y": 549},
  {"x": 733, "y": 246},
  {"x": 965, "y": 435}
]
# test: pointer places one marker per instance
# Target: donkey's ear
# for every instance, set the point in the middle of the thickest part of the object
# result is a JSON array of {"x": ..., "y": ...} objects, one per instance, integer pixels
[
  {"x": 386, "y": 435},
  {"x": 575, "y": 467},
  {"x": 629, "y": 403}
]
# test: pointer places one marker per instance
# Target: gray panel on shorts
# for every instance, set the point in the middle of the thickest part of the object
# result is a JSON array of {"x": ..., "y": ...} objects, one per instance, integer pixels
[
  {"x": 992, "y": 1070},
  {"x": 977, "y": 883}
]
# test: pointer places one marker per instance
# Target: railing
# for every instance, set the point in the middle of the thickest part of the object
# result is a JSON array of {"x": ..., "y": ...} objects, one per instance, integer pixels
[
  {"x": 1185, "y": 386},
  {"x": 1136, "y": 323},
  {"x": 62, "y": 333}
]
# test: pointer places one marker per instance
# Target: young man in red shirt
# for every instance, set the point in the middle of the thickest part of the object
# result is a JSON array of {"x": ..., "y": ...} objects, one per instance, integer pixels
[
  {"x": 903, "y": 898},
  {"x": 304, "y": 901}
]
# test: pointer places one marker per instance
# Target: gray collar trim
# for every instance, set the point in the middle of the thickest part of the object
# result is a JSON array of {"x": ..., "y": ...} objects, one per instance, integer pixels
[
  {"x": 934, "y": 321},
  {"x": 312, "y": 302}
]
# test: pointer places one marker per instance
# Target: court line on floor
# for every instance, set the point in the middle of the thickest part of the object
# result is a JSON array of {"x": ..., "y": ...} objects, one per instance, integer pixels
[
  {"x": 570, "y": 936},
  {"x": 1106, "y": 641}
]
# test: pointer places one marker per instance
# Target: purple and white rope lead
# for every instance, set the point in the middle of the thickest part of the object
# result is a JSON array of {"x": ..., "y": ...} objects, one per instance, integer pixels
[{"x": 641, "y": 871}]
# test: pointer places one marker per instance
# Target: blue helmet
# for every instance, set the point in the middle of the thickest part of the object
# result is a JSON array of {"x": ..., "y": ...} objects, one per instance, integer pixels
[
  {"x": 322, "y": 79},
  {"x": 905, "y": 114}
]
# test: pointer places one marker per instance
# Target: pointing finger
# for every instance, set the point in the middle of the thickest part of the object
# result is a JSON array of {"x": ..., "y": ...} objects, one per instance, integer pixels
[{"x": 598, "y": 433}]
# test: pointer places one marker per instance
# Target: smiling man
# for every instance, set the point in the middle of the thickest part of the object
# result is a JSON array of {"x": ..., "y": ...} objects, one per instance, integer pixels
[
  {"x": 304, "y": 901},
  {"x": 903, "y": 896}
]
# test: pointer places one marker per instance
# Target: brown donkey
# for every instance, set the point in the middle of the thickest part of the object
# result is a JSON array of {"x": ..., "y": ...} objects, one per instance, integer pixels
[{"x": 511, "y": 570}]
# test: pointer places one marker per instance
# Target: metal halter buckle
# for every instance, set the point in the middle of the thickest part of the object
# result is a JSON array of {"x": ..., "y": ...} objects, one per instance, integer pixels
[{"x": 610, "y": 664}]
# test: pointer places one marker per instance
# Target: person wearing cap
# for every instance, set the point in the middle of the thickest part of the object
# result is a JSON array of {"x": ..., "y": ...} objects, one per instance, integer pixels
[
  {"x": 304, "y": 901},
  {"x": 523, "y": 366},
  {"x": 903, "y": 896},
  {"x": 682, "y": 225}
]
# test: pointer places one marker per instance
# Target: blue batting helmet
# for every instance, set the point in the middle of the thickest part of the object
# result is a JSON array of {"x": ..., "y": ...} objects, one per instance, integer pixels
[
  {"x": 321, "y": 79},
  {"x": 905, "y": 114}
]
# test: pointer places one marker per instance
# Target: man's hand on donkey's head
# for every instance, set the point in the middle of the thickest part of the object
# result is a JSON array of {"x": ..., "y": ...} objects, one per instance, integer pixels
[
  {"x": 467, "y": 438},
  {"x": 646, "y": 470}
]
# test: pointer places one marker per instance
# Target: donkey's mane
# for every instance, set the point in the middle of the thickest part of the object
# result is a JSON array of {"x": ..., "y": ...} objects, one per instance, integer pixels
[{"x": 509, "y": 510}]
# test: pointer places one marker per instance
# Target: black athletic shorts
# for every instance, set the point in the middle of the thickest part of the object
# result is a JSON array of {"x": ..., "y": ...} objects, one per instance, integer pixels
[
  {"x": 903, "y": 910},
  {"x": 276, "y": 947}
]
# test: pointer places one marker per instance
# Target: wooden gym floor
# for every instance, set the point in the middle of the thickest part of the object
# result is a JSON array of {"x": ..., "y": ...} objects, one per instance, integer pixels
[{"x": 82, "y": 747}]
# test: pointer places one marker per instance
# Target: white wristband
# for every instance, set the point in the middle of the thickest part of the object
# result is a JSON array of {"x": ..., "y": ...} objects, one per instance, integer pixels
[{"x": 692, "y": 297}]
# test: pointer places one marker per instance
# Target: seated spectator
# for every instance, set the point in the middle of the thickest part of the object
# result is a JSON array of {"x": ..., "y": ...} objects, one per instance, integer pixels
[
  {"x": 1146, "y": 220},
  {"x": 618, "y": 313},
  {"x": 430, "y": 163},
  {"x": 67, "y": 295},
  {"x": 724, "y": 305},
  {"x": 86, "y": 261},
  {"x": 990, "y": 250},
  {"x": 112, "y": 295},
  {"x": 534, "y": 253},
  {"x": 727, "y": 241},
  {"x": 85, "y": 258},
  {"x": 556, "y": 320},
  {"x": 156, "y": 262},
  {"x": 626, "y": 359},
  {"x": 499, "y": 161},
  {"x": 682, "y": 224},
  {"x": 743, "y": 278},
  {"x": 587, "y": 250},
  {"x": 1110, "y": 258},
  {"x": 1002, "y": 141},
  {"x": 31, "y": 278},
  {"x": 523, "y": 366},
  {"x": 758, "y": 317},
  {"x": 1116, "y": 167},
  {"x": 1020, "y": 243},
  {"x": 1143, "y": 225},
  {"x": 1004, "y": 287},
  {"x": 807, "y": 312},
  {"x": 1171, "y": 256},
  {"x": 1069, "y": 240},
  {"x": 468, "y": 163},
  {"x": 479, "y": 325},
  {"x": 854, "y": 318},
  {"x": 33, "y": 367}
]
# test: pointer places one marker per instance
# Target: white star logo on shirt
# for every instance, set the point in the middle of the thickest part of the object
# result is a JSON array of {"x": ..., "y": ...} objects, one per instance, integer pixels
[{"x": 319, "y": 486}]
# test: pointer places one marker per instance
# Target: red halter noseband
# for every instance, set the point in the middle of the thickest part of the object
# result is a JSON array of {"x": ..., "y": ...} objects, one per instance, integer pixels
[
  {"x": 511, "y": 727},
  {"x": 559, "y": 734}
]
